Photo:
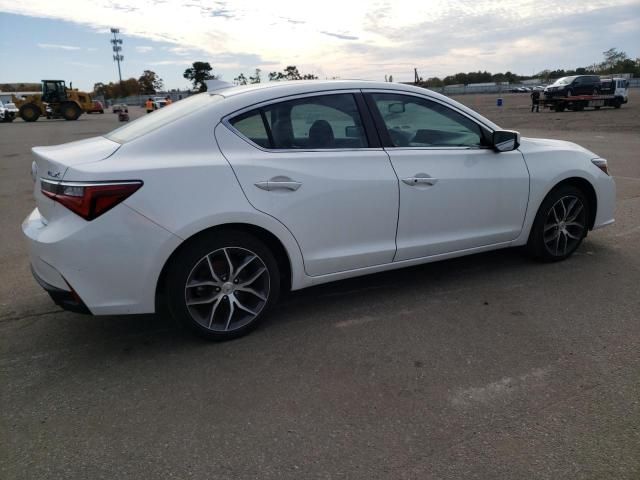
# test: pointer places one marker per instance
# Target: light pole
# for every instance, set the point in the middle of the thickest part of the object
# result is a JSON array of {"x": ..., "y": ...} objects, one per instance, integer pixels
[{"x": 117, "y": 48}]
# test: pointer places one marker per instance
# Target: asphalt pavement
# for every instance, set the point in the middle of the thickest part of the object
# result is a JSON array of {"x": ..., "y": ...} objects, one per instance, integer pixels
[{"x": 485, "y": 367}]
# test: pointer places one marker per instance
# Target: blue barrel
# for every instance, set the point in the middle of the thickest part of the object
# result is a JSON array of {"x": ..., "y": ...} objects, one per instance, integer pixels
[{"x": 499, "y": 102}]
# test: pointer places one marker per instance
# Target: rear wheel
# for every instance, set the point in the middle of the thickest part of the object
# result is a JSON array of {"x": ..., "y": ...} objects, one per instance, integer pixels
[
  {"x": 560, "y": 224},
  {"x": 223, "y": 284},
  {"x": 29, "y": 112},
  {"x": 70, "y": 111}
]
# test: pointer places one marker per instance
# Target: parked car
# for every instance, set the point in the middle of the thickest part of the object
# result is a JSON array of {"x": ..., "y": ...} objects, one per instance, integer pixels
[
  {"x": 8, "y": 111},
  {"x": 96, "y": 107},
  {"x": 539, "y": 88},
  {"x": 574, "y": 85},
  {"x": 120, "y": 107},
  {"x": 217, "y": 205},
  {"x": 157, "y": 104}
]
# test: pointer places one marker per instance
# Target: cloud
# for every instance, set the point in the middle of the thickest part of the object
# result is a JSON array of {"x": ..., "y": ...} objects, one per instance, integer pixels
[
  {"x": 339, "y": 35},
  {"x": 171, "y": 62},
  {"x": 83, "y": 64},
  {"x": 143, "y": 48},
  {"x": 439, "y": 37},
  {"x": 55, "y": 46}
]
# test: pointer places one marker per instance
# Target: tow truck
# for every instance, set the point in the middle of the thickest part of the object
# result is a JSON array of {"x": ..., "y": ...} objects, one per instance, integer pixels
[{"x": 614, "y": 92}]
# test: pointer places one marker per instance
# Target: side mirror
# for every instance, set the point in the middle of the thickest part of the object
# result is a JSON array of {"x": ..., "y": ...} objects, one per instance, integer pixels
[{"x": 505, "y": 140}]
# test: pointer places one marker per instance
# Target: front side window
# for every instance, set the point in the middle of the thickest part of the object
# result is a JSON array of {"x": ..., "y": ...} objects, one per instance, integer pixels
[
  {"x": 417, "y": 122},
  {"x": 318, "y": 122}
]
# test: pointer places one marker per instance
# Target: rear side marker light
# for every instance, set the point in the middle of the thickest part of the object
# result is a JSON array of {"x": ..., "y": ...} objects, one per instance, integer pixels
[
  {"x": 89, "y": 200},
  {"x": 601, "y": 163}
]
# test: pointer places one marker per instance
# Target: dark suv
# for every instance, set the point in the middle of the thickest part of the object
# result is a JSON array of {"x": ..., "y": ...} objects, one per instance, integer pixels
[{"x": 576, "y": 85}]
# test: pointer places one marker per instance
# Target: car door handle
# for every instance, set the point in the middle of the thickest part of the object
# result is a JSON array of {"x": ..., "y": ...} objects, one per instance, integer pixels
[
  {"x": 279, "y": 184},
  {"x": 420, "y": 180}
]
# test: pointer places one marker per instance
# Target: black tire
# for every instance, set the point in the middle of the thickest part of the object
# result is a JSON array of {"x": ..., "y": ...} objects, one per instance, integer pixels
[
  {"x": 560, "y": 108},
  {"x": 204, "y": 253},
  {"x": 70, "y": 111},
  {"x": 617, "y": 103},
  {"x": 29, "y": 112},
  {"x": 542, "y": 238}
]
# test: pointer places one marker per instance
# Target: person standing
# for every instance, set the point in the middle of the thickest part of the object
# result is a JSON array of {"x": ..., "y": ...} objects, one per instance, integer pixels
[
  {"x": 535, "y": 101},
  {"x": 149, "y": 105},
  {"x": 168, "y": 100}
]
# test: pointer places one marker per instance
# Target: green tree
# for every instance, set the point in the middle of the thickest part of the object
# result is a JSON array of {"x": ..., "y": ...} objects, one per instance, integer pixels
[
  {"x": 240, "y": 79},
  {"x": 612, "y": 57},
  {"x": 255, "y": 78},
  {"x": 198, "y": 73},
  {"x": 290, "y": 73},
  {"x": 99, "y": 89},
  {"x": 150, "y": 82}
]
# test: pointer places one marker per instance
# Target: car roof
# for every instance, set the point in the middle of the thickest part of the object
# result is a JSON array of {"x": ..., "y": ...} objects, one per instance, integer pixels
[
  {"x": 261, "y": 92},
  {"x": 301, "y": 86}
]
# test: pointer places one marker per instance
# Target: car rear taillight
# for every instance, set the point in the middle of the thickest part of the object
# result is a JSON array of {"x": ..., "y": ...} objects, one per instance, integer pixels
[{"x": 89, "y": 200}]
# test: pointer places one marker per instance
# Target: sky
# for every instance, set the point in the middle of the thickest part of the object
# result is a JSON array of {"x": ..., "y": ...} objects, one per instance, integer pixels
[{"x": 69, "y": 39}]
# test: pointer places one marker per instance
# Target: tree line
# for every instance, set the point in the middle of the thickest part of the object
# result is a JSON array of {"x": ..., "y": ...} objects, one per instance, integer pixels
[
  {"x": 147, "y": 84},
  {"x": 614, "y": 61},
  {"x": 199, "y": 72}
]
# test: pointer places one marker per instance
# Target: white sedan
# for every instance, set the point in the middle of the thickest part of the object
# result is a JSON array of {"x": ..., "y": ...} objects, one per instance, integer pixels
[{"x": 214, "y": 206}]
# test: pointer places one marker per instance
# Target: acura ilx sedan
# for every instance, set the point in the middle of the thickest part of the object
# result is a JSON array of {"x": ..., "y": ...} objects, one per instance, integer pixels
[{"x": 212, "y": 207}]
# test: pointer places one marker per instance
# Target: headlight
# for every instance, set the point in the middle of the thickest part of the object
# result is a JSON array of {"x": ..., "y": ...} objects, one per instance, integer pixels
[{"x": 601, "y": 163}]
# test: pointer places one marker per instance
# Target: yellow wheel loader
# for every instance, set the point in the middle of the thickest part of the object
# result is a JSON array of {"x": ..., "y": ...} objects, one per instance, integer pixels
[{"x": 55, "y": 101}]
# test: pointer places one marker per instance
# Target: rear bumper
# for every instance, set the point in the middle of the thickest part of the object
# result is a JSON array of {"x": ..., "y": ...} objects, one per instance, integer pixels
[
  {"x": 109, "y": 266},
  {"x": 69, "y": 300}
]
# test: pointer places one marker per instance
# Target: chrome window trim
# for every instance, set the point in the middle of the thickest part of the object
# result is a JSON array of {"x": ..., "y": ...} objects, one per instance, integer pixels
[{"x": 226, "y": 121}]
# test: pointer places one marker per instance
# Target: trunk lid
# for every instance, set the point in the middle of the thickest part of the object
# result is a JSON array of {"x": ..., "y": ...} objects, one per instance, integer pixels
[{"x": 52, "y": 163}]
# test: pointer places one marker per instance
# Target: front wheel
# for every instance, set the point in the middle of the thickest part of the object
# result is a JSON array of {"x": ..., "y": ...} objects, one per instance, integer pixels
[
  {"x": 222, "y": 284},
  {"x": 560, "y": 224}
]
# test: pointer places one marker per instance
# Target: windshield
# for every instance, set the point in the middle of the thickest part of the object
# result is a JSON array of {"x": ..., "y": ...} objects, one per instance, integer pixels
[
  {"x": 160, "y": 118},
  {"x": 564, "y": 81}
]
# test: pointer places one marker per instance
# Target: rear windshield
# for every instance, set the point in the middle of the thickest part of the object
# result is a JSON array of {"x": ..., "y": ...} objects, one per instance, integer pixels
[{"x": 162, "y": 117}]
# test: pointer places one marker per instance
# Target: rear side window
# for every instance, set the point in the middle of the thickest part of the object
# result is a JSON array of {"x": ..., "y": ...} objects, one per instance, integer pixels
[
  {"x": 252, "y": 126},
  {"x": 317, "y": 123}
]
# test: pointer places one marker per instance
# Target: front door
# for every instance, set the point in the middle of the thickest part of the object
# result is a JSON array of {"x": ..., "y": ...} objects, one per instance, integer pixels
[
  {"x": 309, "y": 163},
  {"x": 455, "y": 194}
]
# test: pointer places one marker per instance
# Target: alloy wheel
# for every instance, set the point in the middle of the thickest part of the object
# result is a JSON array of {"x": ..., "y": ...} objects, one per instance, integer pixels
[
  {"x": 227, "y": 289},
  {"x": 565, "y": 225}
]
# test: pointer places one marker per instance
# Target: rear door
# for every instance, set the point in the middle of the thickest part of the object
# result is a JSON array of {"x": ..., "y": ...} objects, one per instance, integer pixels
[{"x": 314, "y": 163}]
